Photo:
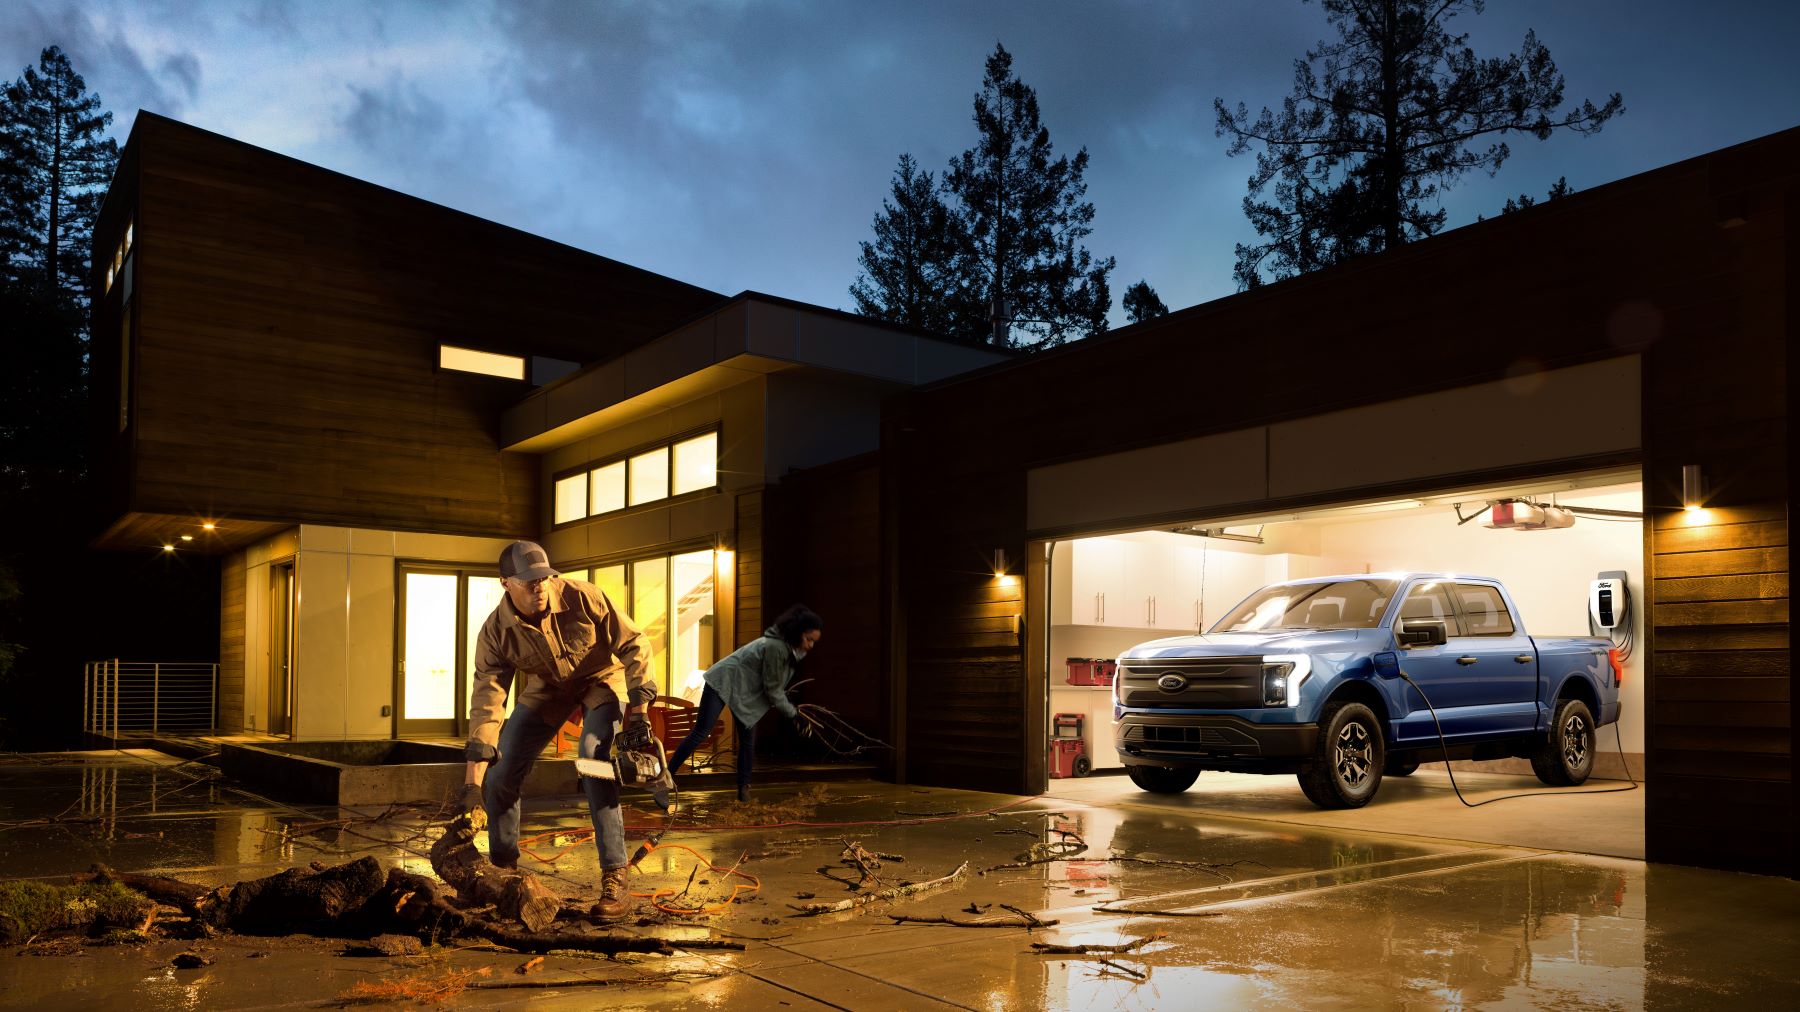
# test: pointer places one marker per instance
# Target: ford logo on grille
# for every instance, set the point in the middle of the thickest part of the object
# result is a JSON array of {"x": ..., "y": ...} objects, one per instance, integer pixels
[{"x": 1172, "y": 682}]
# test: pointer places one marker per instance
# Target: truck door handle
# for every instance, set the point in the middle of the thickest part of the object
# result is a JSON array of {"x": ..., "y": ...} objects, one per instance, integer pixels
[
  {"x": 1466, "y": 660},
  {"x": 1523, "y": 658}
]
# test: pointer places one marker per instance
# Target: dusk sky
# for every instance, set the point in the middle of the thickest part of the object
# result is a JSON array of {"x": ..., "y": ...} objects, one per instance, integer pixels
[{"x": 747, "y": 145}]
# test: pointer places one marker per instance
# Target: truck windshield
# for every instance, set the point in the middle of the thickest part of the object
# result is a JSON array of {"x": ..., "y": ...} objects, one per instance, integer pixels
[{"x": 1343, "y": 604}]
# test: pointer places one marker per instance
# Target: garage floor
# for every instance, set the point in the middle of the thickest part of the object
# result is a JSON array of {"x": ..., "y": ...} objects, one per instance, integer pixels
[
  {"x": 1423, "y": 805},
  {"x": 1239, "y": 897}
]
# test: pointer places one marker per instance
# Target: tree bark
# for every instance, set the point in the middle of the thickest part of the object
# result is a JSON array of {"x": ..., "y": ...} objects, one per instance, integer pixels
[{"x": 516, "y": 895}]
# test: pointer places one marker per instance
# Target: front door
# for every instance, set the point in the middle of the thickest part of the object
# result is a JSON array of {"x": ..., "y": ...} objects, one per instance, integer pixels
[
  {"x": 281, "y": 648},
  {"x": 428, "y": 653}
]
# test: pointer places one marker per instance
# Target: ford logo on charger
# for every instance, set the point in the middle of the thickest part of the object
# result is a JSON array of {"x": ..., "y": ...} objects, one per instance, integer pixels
[{"x": 1171, "y": 682}]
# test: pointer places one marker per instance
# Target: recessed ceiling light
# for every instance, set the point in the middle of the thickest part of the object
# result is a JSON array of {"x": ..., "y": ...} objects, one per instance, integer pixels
[
  {"x": 168, "y": 548},
  {"x": 187, "y": 537},
  {"x": 209, "y": 526}
]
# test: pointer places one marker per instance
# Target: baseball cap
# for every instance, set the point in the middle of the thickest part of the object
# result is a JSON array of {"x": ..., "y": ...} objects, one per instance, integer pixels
[{"x": 525, "y": 560}]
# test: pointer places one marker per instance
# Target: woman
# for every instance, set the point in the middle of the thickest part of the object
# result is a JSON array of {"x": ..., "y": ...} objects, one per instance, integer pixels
[{"x": 752, "y": 681}]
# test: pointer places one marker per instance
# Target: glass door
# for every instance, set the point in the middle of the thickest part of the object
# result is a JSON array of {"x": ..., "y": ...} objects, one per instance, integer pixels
[{"x": 428, "y": 653}]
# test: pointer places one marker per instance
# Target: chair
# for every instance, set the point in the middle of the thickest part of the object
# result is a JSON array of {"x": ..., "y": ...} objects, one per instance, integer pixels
[
  {"x": 672, "y": 719},
  {"x": 570, "y": 729}
]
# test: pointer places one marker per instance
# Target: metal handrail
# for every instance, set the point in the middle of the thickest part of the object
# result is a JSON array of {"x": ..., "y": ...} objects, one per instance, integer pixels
[{"x": 153, "y": 696}]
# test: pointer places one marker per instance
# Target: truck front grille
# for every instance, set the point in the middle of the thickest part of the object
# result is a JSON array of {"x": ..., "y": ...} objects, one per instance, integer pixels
[{"x": 1210, "y": 683}]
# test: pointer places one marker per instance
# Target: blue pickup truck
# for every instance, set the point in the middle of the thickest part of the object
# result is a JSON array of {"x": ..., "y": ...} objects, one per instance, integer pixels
[{"x": 1329, "y": 679}]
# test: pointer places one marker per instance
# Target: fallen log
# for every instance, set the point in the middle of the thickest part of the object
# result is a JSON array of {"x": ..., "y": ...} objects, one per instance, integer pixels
[
  {"x": 515, "y": 895},
  {"x": 297, "y": 900},
  {"x": 184, "y": 896},
  {"x": 907, "y": 889},
  {"x": 1002, "y": 922}
]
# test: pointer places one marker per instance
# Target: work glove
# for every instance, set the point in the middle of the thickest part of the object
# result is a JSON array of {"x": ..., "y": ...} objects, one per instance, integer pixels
[{"x": 469, "y": 803}]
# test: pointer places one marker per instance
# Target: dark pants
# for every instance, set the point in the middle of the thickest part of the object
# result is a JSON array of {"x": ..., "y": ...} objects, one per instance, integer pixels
[
  {"x": 522, "y": 737},
  {"x": 711, "y": 705}
]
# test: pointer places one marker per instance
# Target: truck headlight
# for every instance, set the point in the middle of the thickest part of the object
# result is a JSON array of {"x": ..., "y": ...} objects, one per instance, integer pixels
[{"x": 1281, "y": 678}]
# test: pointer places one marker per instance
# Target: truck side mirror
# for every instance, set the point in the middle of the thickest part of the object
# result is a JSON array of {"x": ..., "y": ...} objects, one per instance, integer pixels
[{"x": 1421, "y": 632}]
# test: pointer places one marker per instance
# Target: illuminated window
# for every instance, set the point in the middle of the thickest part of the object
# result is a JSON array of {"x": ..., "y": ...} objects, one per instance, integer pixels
[
  {"x": 606, "y": 488},
  {"x": 672, "y": 601},
  {"x": 696, "y": 464},
  {"x": 571, "y": 498},
  {"x": 486, "y": 363},
  {"x": 650, "y": 476}
]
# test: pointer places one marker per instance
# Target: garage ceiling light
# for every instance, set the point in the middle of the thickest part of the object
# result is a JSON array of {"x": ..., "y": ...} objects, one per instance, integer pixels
[{"x": 1396, "y": 504}]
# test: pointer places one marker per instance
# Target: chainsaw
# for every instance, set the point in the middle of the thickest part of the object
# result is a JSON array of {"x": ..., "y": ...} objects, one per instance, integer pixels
[{"x": 637, "y": 760}]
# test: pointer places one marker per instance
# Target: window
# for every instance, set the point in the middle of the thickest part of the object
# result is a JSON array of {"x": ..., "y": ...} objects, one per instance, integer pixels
[
  {"x": 670, "y": 598},
  {"x": 606, "y": 488},
  {"x": 1345, "y": 604},
  {"x": 696, "y": 464},
  {"x": 486, "y": 363},
  {"x": 1484, "y": 610},
  {"x": 689, "y": 466},
  {"x": 571, "y": 498},
  {"x": 650, "y": 476},
  {"x": 118, "y": 260},
  {"x": 1428, "y": 602}
]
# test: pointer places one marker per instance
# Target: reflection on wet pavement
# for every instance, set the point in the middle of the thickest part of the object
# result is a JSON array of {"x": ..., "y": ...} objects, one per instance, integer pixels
[{"x": 1256, "y": 914}]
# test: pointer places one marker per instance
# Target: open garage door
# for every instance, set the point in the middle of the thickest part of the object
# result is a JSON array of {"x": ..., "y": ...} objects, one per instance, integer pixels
[{"x": 1109, "y": 592}]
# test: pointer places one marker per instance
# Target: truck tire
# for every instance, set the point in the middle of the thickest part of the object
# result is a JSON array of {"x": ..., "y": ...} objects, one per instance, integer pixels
[
  {"x": 1566, "y": 757},
  {"x": 1346, "y": 769},
  {"x": 1162, "y": 779},
  {"x": 1398, "y": 766}
]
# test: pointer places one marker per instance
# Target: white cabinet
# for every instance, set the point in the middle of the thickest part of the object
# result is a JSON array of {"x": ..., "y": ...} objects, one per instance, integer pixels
[{"x": 1097, "y": 594}]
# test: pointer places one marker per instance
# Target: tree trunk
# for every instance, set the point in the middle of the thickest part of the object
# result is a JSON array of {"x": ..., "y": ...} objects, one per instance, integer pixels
[{"x": 517, "y": 895}]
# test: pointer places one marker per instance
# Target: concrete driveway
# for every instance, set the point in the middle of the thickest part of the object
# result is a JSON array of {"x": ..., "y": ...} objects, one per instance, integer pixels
[{"x": 1423, "y": 907}]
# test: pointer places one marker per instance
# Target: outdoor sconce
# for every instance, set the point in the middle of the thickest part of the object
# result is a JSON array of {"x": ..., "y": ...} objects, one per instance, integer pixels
[
  {"x": 999, "y": 562},
  {"x": 1693, "y": 488}
]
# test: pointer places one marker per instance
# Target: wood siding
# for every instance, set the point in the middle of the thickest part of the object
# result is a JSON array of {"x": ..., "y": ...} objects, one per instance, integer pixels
[
  {"x": 288, "y": 324},
  {"x": 1642, "y": 266},
  {"x": 749, "y": 557},
  {"x": 824, "y": 535},
  {"x": 232, "y": 660}
]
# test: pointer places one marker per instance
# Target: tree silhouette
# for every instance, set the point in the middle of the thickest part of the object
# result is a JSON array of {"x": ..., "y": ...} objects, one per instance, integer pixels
[
  {"x": 1378, "y": 123},
  {"x": 1141, "y": 303},
  {"x": 58, "y": 166}
]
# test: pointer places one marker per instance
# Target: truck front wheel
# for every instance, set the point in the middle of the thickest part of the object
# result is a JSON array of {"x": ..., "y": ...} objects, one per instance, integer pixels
[
  {"x": 1162, "y": 779},
  {"x": 1567, "y": 756},
  {"x": 1346, "y": 769}
]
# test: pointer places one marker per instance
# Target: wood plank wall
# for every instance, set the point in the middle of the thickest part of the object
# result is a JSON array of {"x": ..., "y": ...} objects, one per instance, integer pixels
[
  {"x": 749, "y": 567},
  {"x": 232, "y": 617},
  {"x": 1722, "y": 788},
  {"x": 1691, "y": 266},
  {"x": 823, "y": 533},
  {"x": 288, "y": 323}
]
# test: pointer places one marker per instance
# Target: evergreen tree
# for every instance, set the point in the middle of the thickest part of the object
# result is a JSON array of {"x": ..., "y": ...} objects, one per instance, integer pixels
[
  {"x": 909, "y": 273},
  {"x": 1026, "y": 220},
  {"x": 1558, "y": 190},
  {"x": 1141, "y": 303},
  {"x": 1379, "y": 122},
  {"x": 59, "y": 164}
]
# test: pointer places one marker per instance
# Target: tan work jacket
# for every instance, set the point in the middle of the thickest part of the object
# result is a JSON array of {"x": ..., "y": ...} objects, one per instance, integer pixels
[{"x": 577, "y": 655}]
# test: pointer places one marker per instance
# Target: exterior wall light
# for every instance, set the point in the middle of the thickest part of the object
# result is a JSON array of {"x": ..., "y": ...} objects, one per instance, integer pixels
[
  {"x": 999, "y": 562},
  {"x": 1693, "y": 488},
  {"x": 168, "y": 548}
]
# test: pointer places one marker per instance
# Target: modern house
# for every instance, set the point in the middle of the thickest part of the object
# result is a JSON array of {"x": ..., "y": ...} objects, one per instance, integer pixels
[{"x": 365, "y": 395}]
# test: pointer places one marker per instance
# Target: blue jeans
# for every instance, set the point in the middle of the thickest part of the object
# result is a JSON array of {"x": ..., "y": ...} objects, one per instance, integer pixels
[
  {"x": 522, "y": 737},
  {"x": 711, "y": 705}
]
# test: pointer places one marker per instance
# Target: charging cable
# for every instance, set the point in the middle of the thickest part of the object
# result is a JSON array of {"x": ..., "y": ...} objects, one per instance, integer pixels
[{"x": 1445, "y": 746}]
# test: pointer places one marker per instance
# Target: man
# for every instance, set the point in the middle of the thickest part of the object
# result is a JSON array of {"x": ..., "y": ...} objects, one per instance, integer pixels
[{"x": 565, "y": 639}]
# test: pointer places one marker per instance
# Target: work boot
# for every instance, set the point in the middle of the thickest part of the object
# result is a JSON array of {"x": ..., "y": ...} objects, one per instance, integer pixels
[{"x": 614, "y": 902}]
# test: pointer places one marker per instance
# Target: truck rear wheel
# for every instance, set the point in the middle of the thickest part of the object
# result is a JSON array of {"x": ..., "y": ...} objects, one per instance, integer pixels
[
  {"x": 1566, "y": 757},
  {"x": 1162, "y": 779},
  {"x": 1346, "y": 769}
]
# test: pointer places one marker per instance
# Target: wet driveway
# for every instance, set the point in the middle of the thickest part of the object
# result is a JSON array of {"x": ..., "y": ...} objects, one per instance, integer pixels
[{"x": 1251, "y": 910}]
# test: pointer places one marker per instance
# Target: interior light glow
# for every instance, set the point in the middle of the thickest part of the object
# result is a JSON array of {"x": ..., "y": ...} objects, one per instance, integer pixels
[
  {"x": 187, "y": 537},
  {"x": 209, "y": 526},
  {"x": 1396, "y": 504},
  {"x": 486, "y": 363},
  {"x": 168, "y": 548}
]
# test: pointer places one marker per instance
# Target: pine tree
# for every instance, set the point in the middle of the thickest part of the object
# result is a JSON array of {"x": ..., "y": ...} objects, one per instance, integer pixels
[
  {"x": 1141, "y": 303},
  {"x": 1558, "y": 190},
  {"x": 909, "y": 271},
  {"x": 1379, "y": 122},
  {"x": 1026, "y": 220},
  {"x": 59, "y": 166}
]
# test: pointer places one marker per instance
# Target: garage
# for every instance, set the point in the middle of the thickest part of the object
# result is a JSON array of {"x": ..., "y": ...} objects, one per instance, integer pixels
[
  {"x": 1608, "y": 346},
  {"x": 1110, "y": 592}
]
